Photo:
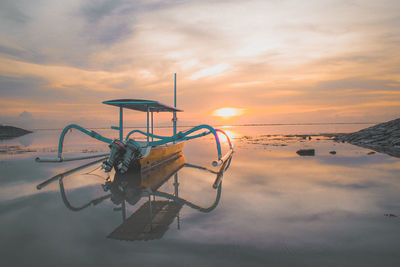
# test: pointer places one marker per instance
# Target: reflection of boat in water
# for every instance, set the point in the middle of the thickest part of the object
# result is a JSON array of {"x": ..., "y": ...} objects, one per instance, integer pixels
[
  {"x": 126, "y": 152},
  {"x": 141, "y": 167},
  {"x": 153, "y": 218},
  {"x": 129, "y": 186}
]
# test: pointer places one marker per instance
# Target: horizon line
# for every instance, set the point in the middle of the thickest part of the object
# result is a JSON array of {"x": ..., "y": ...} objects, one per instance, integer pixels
[{"x": 230, "y": 125}]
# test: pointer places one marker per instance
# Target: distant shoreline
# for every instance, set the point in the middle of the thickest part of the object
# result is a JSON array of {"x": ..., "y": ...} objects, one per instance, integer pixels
[{"x": 230, "y": 125}]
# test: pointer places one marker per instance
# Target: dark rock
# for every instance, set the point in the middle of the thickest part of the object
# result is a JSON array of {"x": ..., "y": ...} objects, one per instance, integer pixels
[
  {"x": 371, "y": 153},
  {"x": 306, "y": 152},
  {"x": 11, "y": 132},
  {"x": 383, "y": 138},
  {"x": 12, "y": 149},
  {"x": 332, "y": 152}
]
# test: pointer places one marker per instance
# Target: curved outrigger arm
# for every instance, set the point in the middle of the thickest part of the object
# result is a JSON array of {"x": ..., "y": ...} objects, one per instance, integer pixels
[
  {"x": 181, "y": 136},
  {"x": 93, "y": 202},
  {"x": 83, "y": 130},
  {"x": 145, "y": 134},
  {"x": 176, "y": 199},
  {"x": 67, "y": 173},
  {"x": 184, "y": 136},
  {"x": 219, "y": 173},
  {"x": 188, "y": 203},
  {"x": 217, "y": 185},
  {"x": 92, "y": 134},
  {"x": 221, "y": 159}
]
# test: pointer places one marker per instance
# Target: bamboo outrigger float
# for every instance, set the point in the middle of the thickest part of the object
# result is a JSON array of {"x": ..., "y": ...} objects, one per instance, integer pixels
[{"x": 126, "y": 152}]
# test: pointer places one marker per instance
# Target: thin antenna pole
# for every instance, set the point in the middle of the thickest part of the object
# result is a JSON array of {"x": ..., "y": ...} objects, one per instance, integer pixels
[
  {"x": 174, "y": 119},
  {"x": 175, "y": 90}
]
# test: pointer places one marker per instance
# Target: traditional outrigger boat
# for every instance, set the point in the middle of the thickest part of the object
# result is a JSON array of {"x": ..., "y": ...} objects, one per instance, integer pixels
[
  {"x": 126, "y": 152},
  {"x": 141, "y": 167}
]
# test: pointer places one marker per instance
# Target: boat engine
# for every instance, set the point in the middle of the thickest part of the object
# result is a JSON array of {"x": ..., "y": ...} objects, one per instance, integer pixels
[
  {"x": 117, "y": 149},
  {"x": 132, "y": 152},
  {"x": 121, "y": 156}
]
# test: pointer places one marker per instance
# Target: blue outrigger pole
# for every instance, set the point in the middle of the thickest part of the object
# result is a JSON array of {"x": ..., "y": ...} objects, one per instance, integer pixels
[{"x": 124, "y": 150}]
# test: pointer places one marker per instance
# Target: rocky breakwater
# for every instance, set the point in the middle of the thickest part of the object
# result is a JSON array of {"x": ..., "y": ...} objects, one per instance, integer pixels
[{"x": 383, "y": 137}]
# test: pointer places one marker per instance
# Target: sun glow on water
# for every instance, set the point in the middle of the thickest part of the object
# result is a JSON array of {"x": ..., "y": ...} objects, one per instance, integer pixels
[{"x": 231, "y": 134}]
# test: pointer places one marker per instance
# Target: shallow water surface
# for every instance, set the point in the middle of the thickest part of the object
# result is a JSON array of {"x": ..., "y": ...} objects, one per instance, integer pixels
[{"x": 276, "y": 208}]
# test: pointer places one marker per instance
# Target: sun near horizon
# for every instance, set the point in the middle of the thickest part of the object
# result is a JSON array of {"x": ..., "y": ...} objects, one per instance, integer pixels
[{"x": 227, "y": 112}]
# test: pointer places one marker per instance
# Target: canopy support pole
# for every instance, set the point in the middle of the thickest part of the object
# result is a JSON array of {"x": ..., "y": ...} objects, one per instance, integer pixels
[
  {"x": 152, "y": 127},
  {"x": 121, "y": 126},
  {"x": 147, "y": 125}
]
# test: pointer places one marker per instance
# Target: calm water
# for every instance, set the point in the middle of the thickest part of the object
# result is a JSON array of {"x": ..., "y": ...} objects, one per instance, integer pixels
[{"x": 276, "y": 208}]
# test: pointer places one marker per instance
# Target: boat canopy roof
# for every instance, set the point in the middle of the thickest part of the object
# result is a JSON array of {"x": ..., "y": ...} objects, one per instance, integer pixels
[{"x": 141, "y": 105}]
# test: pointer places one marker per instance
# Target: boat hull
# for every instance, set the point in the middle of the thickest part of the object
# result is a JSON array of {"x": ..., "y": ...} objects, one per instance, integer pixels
[{"x": 159, "y": 154}]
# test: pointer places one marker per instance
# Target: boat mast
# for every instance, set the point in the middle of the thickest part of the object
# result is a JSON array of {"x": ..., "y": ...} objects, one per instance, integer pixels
[
  {"x": 176, "y": 183},
  {"x": 174, "y": 119}
]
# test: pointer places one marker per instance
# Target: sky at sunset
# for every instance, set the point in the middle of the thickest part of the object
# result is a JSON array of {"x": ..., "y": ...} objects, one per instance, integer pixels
[{"x": 272, "y": 61}]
